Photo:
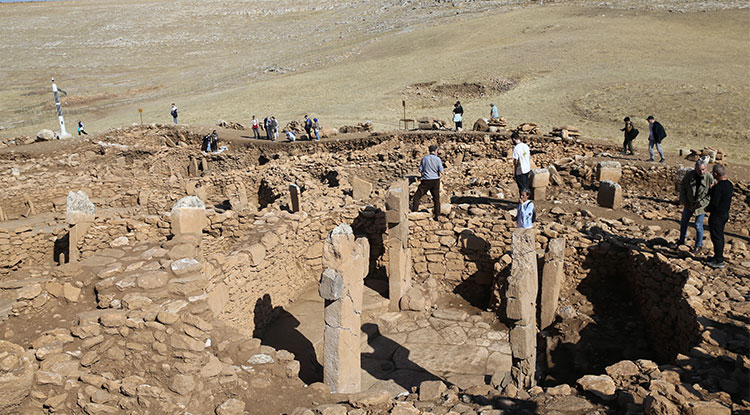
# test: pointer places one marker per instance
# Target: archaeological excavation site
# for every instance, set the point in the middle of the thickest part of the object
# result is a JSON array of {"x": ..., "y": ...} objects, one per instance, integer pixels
[{"x": 140, "y": 275}]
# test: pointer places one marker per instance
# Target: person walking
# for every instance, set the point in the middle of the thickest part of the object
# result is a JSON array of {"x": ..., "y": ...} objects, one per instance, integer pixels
[
  {"x": 81, "y": 129},
  {"x": 173, "y": 112},
  {"x": 694, "y": 198},
  {"x": 525, "y": 214},
  {"x": 656, "y": 135},
  {"x": 494, "y": 113},
  {"x": 458, "y": 115},
  {"x": 521, "y": 163},
  {"x": 256, "y": 133},
  {"x": 307, "y": 123},
  {"x": 718, "y": 207},
  {"x": 630, "y": 133},
  {"x": 316, "y": 128},
  {"x": 431, "y": 166}
]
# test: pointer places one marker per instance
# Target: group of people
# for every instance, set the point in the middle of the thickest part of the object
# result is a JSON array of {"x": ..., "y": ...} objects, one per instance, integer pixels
[
  {"x": 700, "y": 193},
  {"x": 431, "y": 168},
  {"x": 458, "y": 114},
  {"x": 656, "y": 134},
  {"x": 210, "y": 142},
  {"x": 271, "y": 126}
]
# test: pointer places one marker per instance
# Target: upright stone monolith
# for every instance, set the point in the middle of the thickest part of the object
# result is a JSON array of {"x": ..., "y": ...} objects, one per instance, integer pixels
[
  {"x": 552, "y": 278},
  {"x": 295, "y": 195},
  {"x": 539, "y": 183},
  {"x": 188, "y": 216},
  {"x": 523, "y": 285},
  {"x": 399, "y": 258},
  {"x": 79, "y": 214},
  {"x": 345, "y": 265}
]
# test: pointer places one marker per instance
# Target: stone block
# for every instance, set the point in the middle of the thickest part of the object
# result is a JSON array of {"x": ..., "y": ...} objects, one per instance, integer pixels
[
  {"x": 610, "y": 195},
  {"x": 538, "y": 193},
  {"x": 188, "y": 220},
  {"x": 331, "y": 285},
  {"x": 608, "y": 170},
  {"x": 540, "y": 177},
  {"x": 361, "y": 189},
  {"x": 431, "y": 390}
]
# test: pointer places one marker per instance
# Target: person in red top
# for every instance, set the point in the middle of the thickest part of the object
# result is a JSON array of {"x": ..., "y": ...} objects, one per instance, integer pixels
[{"x": 256, "y": 133}]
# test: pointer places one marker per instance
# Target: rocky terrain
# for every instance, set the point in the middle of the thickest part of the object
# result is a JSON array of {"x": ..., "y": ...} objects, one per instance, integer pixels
[{"x": 141, "y": 275}]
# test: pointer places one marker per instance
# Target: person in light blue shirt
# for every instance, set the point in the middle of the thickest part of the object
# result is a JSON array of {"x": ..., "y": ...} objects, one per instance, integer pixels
[
  {"x": 525, "y": 215},
  {"x": 494, "y": 113},
  {"x": 430, "y": 167}
]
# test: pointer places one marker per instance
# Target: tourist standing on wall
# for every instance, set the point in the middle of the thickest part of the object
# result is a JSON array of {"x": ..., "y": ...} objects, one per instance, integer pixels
[
  {"x": 630, "y": 134},
  {"x": 458, "y": 115},
  {"x": 656, "y": 134},
  {"x": 256, "y": 133},
  {"x": 431, "y": 166},
  {"x": 173, "y": 112},
  {"x": 525, "y": 214},
  {"x": 521, "y": 163},
  {"x": 494, "y": 113},
  {"x": 694, "y": 198},
  {"x": 718, "y": 206}
]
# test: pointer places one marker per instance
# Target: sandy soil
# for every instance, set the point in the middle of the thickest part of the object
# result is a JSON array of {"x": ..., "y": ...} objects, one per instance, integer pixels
[{"x": 584, "y": 63}]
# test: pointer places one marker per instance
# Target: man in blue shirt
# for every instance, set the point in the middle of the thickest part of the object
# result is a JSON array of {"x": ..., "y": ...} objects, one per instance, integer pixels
[{"x": 430, "y": 167}]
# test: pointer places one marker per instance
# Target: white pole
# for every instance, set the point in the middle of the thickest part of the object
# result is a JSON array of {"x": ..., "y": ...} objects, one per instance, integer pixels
[{"x": 63, "y": 133}]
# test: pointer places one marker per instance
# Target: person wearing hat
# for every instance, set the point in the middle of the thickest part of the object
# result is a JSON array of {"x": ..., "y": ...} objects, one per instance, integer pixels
[
  {"x": 494, "y": 114},
  {"x": 630, "y": 134},
  {"x": 431, "y": 166},
  {"x": 656, "y": 134}
]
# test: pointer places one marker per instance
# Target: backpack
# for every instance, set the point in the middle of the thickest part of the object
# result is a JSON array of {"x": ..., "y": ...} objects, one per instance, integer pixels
[{"x": 174, "y": 112}]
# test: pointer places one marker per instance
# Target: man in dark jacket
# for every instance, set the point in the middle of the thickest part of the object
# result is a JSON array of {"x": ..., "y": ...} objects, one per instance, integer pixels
[
  {"x": 656, "y": 134},
  {"x": 721, "y": 199},
  {"x": 630, "y": 133}
]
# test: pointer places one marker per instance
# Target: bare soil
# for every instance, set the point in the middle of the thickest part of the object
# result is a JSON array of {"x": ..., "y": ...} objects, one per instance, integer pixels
[{"x": 586, "y": 63}]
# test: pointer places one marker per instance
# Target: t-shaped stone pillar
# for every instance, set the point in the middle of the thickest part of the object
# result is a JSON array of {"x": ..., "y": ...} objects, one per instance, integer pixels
[
  {"x": 399, "y": 258},
  {"x": 188, "y": 216},
  {"x": 345, "y": 264},
  {"x": 79, "y": 214},
  {"x": 523, "y": 285},
  {"x": 552, "y": 278}
]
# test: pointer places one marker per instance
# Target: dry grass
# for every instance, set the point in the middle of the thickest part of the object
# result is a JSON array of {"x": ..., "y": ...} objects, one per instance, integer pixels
[{"x": 571, "y": 64}]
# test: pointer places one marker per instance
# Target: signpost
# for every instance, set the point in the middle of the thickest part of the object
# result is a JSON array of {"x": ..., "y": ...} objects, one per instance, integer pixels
[
  {"x": 63, "y": 132},
  {"x": 405, "y": 120},
  {"x": 140, "y": 112}
]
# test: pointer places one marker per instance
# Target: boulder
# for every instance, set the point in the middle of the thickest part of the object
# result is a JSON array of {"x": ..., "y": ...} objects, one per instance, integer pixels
[
  {"x": 16, "y": 374},
  {"x": 602, "y": 386},
  {"x": 45, "y": 135}
]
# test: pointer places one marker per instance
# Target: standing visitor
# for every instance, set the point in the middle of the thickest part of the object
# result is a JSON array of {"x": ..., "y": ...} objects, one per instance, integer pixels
[
  {"x": 275, "y": 128},
  {"x": 316, "y": 128},
  {"x": 694, "y": 198},
  {"x": 718, "y": 206},
  {"x": 256, "y": 133},
  {"x": 173, "y": 112},
  {"x": 458, "y": 115},
  {"x": 307, "y": 123},
  {"x": 431, "y": 166},
  {"x": 494, "y": 113},
  {"x": 268, "y": 125},
  {"x": 521, "y": 163},
  {"x": 525, "y": 214},
  {"x": 656, "y": 134}
]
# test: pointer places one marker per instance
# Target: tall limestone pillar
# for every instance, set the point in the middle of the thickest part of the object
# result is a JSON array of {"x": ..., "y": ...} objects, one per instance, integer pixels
[
  {"x": 79, "y": 214},
  {"x": 552, "y": 278},
  {"x": 188, "y": 216},
  {"x": 346, "y": 263},
  {"x": 523, "y": 286},
  {"x": 399, "y": 257}
]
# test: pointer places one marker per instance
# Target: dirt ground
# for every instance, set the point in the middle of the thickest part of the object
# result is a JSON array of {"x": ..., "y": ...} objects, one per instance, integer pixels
[{"x": 584, "y": 63}]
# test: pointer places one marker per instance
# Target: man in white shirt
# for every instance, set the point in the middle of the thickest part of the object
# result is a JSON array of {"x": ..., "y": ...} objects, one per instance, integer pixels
[{"x": 521, "y": 163}]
